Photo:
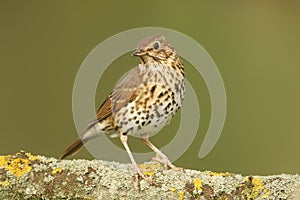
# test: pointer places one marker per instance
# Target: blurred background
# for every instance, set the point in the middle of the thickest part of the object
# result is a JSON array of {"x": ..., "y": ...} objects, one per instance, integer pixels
[{"x": 254, "y": 44}]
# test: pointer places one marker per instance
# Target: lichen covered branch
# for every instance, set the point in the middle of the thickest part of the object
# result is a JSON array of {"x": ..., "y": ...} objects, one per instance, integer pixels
[{"x": 24, "y": 176}]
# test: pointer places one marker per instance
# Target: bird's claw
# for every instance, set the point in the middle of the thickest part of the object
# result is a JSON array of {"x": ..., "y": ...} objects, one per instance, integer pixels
[
  {"x": 166, "y": 162},
  {"x": 138, "y": 173}
]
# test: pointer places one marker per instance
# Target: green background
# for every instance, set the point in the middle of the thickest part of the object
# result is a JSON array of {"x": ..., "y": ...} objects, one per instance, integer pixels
[{"x": 254, "y": 44}]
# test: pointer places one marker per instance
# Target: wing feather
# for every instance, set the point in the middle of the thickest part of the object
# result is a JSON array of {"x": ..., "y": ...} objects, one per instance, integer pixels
[{"x": 126, "y": 91}]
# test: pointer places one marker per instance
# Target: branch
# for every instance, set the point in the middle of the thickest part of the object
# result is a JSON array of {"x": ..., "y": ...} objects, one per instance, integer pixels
[{"x": 24, "y": 176}]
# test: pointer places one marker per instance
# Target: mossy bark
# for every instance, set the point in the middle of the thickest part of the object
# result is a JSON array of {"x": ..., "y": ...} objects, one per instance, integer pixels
[{"x": 24, "y": 176}]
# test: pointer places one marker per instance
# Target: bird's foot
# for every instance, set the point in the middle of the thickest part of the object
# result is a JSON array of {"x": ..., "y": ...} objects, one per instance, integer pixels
[
  {"x": 138, "y": 173},
  {"x": 166, "y": 162}
]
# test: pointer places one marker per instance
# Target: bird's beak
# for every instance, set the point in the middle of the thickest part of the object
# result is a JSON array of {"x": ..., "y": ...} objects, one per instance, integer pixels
[{"x": 138, "y": 52}]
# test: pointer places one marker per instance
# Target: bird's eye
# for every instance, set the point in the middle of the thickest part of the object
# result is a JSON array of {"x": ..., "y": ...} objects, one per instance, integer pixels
[{"x": 156, "y": 45}]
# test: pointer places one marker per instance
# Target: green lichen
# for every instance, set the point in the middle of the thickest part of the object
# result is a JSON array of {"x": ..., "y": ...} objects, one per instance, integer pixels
[{"x": 49, "y": 178}]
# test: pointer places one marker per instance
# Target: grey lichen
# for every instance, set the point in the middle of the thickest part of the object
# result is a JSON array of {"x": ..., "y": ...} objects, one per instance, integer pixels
[{"x": 24, "y": 176}]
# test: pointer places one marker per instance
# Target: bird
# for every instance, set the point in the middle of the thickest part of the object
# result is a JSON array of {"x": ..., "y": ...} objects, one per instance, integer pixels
[{"x": 143, "y": 102}]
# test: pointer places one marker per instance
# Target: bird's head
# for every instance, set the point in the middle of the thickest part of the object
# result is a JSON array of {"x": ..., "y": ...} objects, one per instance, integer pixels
[{"x": 154, "y": 49}]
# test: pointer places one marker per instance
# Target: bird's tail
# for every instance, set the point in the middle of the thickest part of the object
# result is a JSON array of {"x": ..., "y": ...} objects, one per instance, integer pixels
[
  {"x": 73, "y": 148},
  {"x": 89, "y": 134}
]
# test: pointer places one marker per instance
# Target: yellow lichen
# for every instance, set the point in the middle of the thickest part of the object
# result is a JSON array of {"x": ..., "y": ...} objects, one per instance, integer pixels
[
  {"x": 57, "y": 170},
  {"x": 255, "y": 188},
  {"x": 18, "y": 164},
  {"x": 149, "y": 169},
  {"x": 4, "y": 183},
  {"x": 220, "y": 173},
  {"x": 173, "y": 189},
  {"x": 266, "y": 194},
  {"x": 181, "y": 194},
  {"x": 2, "y": 160},
  {"x": 31, "y": 157},
  {"x": 197, "y": 184}
]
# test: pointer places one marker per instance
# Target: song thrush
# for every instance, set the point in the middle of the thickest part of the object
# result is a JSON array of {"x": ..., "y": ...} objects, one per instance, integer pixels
[{"x": 143, "y": 102}]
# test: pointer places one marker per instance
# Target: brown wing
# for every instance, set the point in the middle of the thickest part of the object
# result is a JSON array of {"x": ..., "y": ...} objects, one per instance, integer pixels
[
  {"x": 125, "y": 92},
  {"x": 104, "y": 110}
]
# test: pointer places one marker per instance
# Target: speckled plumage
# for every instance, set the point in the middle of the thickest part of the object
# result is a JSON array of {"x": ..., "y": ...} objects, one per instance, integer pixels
[{"x": 144, "y": 101}]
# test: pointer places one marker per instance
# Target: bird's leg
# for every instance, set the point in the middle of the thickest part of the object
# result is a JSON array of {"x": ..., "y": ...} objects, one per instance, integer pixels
[
  {"x": 164, "y": 159},
  {"x": 136, "y": 169}
]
